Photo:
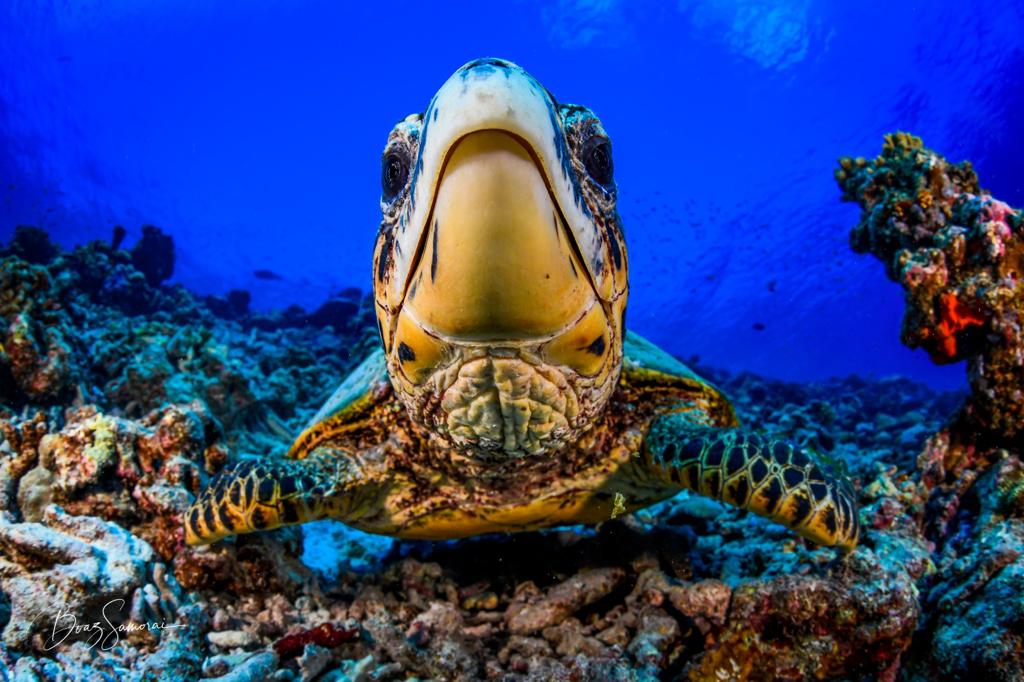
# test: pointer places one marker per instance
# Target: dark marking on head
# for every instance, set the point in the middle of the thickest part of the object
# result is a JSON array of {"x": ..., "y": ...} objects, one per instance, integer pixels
[
  {"x": 562, "y": 151},
  {"x": 250, "y": 488},
  {"x": 433, "y": 252},
  {"x": 815, "y": 474},
  {"x": 799, "y": 458},
  {"x": 193, "y": 519},
  {"x": 235, "y": 494},
  {"x": 384, "y": 262},
  {"x": 405, "y": 353},
  {"x": 613, "y": 243},
  {"x": 669, "y": 452},
  {"x": 673, "y": 473},
  {"x": 308, "y": 483},
  {"x": 554, "y": 102},
  {"x": 596, "y": 346},
  {"x": 819, "y": 490},
  {"x": 487, "y": 61},
  {"x": 288, "y": 486},
  {"x": 208, "y": 516}
]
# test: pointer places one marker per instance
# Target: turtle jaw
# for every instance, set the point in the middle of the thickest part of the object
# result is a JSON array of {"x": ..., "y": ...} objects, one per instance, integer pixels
[
  {"x": 497, "y": 263},
  {"x": 494, "y": 94},
  {"x": 502, "y": 344}
]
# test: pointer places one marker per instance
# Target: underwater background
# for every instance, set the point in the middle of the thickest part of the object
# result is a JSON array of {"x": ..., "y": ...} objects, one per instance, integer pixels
[
  {"x": 252, "y": 132},
  {"x": 189, "y": 197}
]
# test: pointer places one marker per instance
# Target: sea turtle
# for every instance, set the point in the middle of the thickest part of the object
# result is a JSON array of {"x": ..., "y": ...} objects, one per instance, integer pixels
[{"x": 506, "y": 394}]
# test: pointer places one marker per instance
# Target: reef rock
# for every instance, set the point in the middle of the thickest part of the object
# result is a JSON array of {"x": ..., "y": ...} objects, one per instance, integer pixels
[
  {"x": 959, "y": 255},
  {"x": 67, "y": 570},
  {"x": 153, "y": 255},
  {"x": 138, "y": 474}
]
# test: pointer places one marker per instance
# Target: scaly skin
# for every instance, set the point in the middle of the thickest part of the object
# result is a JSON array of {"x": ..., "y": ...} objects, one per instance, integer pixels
[
  {"x": 507, "y": 395},
  {"x": 378, "y": 470}
]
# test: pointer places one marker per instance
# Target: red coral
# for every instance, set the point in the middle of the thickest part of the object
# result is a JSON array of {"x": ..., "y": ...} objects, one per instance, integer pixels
[
  {"x": 954, "y": 317},
  {"x": 326, "y": 635}
]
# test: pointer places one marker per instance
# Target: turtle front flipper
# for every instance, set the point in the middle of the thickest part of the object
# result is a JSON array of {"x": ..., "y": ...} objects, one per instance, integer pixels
[
  {"x": 772, "y": 478},
  {"x": 262, "y": 494}
]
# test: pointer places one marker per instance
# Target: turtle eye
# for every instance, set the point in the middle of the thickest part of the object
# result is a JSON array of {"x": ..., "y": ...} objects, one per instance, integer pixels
[
  {"x": 394, "y": 172},
  {"x": 597, "y": 158}
]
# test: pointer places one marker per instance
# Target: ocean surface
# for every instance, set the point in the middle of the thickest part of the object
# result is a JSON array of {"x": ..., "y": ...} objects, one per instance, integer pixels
[{"x": 252, "y": 132}]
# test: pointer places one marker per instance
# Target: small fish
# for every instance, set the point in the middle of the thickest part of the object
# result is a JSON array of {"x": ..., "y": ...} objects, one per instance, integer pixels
[{"x": 266, "y": 274}]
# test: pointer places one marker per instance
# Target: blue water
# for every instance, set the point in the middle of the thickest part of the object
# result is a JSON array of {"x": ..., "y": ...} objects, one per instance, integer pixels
[{"x": 252, "y": 133}]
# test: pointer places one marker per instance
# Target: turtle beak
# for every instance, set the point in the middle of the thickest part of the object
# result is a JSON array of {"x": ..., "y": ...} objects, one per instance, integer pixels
[
  {"x": 497, "y": 261},
  {"x": 492, "y": 120}
]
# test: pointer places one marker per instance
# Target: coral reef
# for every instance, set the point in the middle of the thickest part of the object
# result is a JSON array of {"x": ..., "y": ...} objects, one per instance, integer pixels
[
  {"x": 959, "y": 255},
  {"x": 125, "y": 396}
]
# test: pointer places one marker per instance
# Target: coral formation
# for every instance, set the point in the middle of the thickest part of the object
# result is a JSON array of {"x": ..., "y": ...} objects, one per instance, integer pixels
[
  {"x": 959, "y": 255},
  {"x": 153, "y": 255}
]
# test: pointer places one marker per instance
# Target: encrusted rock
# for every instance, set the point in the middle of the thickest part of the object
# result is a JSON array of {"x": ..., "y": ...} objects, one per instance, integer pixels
[
  {"x": 75, "y": 564},
  {"x": 854, "y": 620},
  {"x": 563, "y": 600},
  {"x": 957, "y": 252}
]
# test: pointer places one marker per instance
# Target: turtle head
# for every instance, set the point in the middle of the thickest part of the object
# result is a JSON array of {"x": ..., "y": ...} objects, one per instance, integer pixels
[{"x": 500, "y": 273}]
